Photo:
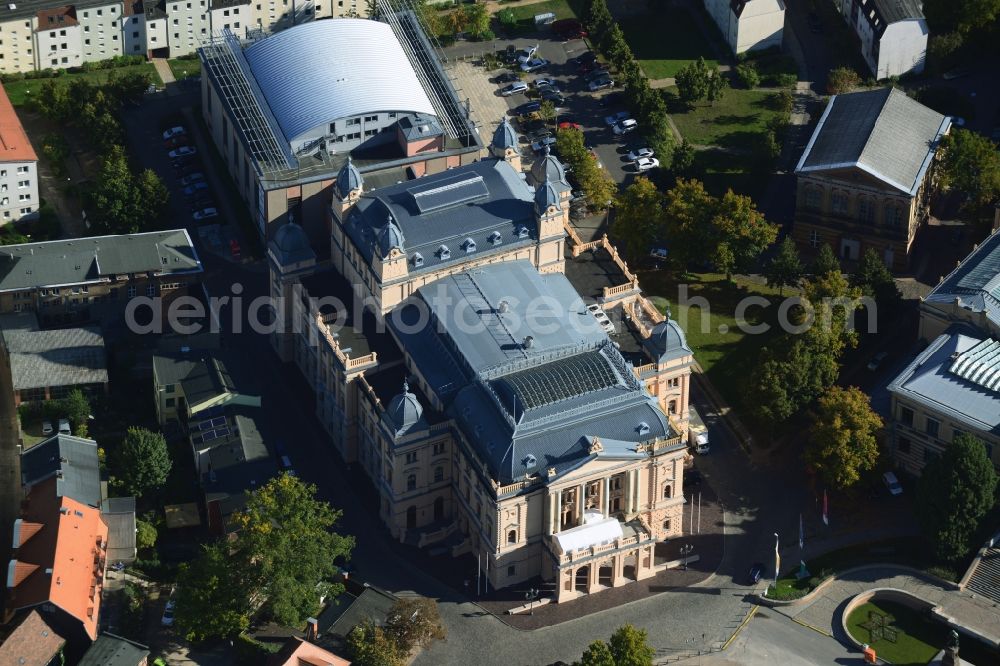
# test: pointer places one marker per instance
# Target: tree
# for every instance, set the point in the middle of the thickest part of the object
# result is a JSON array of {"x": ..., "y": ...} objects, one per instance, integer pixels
[
  {"x": 875, "y": 281},
  {"x": 842, "y": 440},
  {"x": 842, "y": 80},
  {"x": 115, "y": 208},
  {"x": 143, "y": 462},
  {"x": 955, "y": 491},
  {"x": 599, "y": 20},
  {"x": 963, "y": 16},
  {"x": 688, "y": 212},
  {"x": 693, "y": 81},
  {"x": 638, "y": 217},
  {"x": 748, "y": 75},
  {"x": 211, "y": 599},
  {"x": 785, "y": 268},
  {"x": 476, "y": 19},
  {"x": 742, "y": 233},
  {"x": 414, "y": 622},
  {"x": 630, "y": 647},
  {"x": 76, "y": 407},
  {"x": 547, "y": 111},
  {"x": 152, "y": 195},
  {"x": 288, "y": 566},
  {"x": 145, "y": 534},
  {"x": 971, "y": 164},
  {"x": 683, "y": 158},
  {"x": 597, "y": 654},
  {"x": 716, "y": 85},
  {"x": 825, "y": 261},
  {"x": 370, "y": 645}
]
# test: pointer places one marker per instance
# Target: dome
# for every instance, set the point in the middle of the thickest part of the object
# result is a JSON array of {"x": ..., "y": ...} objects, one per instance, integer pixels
[
  {"x": 292, "y": 244},
  {"x": 389, "y": 237},
  {"x": 546, "y": 195},
  {"x": 404, "y": 410},
  {"x": 548, "y": 167},
  {"x": 667, "y": 342},
  {"x": 504, "y": 136},
  {"x": 349, "y": 179}
]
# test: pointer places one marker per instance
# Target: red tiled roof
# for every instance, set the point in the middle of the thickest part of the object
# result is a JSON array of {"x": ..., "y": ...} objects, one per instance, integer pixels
[
  {"x": 56, "y": 18},
  {"x": 33, "y": 640},
  {"x": 298, "y": 652},
  {"x": 69, "y": 553},
  {"x": 14, "y": 144}
]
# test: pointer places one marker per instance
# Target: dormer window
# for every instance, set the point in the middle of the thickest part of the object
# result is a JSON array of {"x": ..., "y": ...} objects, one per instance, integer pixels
[
  {"x": 418, "y": 259},
  {"x": 643, "y": 428},
  {"x": 444, "y": 252},
  {"x": 469, "y": 245},
  {"x": 522, "y": 231},
  {"x": 495, "y": 238}
]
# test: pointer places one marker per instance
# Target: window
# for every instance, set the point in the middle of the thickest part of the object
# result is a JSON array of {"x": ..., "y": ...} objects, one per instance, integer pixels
[
  {"x": 906, "y": 416},
  {"x": 135, "y": 34},
  {"x": 813, "y": 198},
  {"x": 511, "y": 570},
  {"x": 666, "y": 525},
  {"x": 353, "y": 121},
  {"x": 893, "y": 215},
  {"x": 438, "y": 474},
  {"x": 512, "y": 536},
  {"x": 411, "y": 457},
  {"x": 672, "y": 407},
  {"x": 23, "y": 197},
  {"x": 411, "y": 482},
  {"x": 20, "y": 169},
  {"x": 438, "y": 448},
  {"x": 866, "y": 209},
  {"x": 838, "y": 202},
  {"x": 371, "y": 119},
  {"x": 170, "y": 402},
  {"x": 170, "y": 388},
  {"x": 25, "y": 211},
  {"x": 932, "y": 427},
  {"x": 903, "y": 445},
  {"x": 814, "y": 239},
  {"x": 667, "y": 491},
  {"x": 956, "y": 433},
  {"x": 370, "y": 133}
]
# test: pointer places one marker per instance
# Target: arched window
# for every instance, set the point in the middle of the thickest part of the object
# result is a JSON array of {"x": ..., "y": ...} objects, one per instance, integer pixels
[
  {"x": 813, "y": 197},
  {"x": 438, "y": 474},
  {"x": 866, "y": 209},
  {"x": 512, "y": 536},
  {"x": 667, "y": 491},
  {"x": 666, "y": 525},
  {"x": 672, "y": 407},
  {"x": 411, "y": 482}
]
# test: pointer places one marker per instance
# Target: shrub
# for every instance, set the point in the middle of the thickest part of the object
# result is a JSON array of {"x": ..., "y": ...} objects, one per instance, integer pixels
[
  {"x": 785, "y": 80},
  {"x": 842, "y": 80},
  {"x": 781, "y": 101},
  {"x": 747, "y": 75}
]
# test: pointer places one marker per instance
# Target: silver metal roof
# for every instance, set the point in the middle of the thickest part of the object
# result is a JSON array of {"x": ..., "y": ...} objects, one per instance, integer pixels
[
  {"x": 975, "y": 282},
  {"x": 882, "y": 132},
  {"x": 321, "y": 71}
]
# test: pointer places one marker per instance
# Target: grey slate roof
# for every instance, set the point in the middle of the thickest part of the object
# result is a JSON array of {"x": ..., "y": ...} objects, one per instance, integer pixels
[
  {"x": 244, "y": 445},
  {"x": 419, "y": 126},
  {"x": 291, "y": 245},
  {"x": 88, "y": 260},
  {"x": 119, "y": 515},
  {"x": 111, "y": 650},
  {"x": 882, "y": 132},
  {"x": 445, "y": 209},
  {"x": 204, "y": 374},
  {"x": 525, "y": 407},
  {"x": 72, "y": 460},
  {"x": 59, "y": 357},
  {"x": 667, "y": 342},
  {"x": 975, "y": 281},
  {"x": 929, "y": 381},
  {"x": 898, "y": 10}
]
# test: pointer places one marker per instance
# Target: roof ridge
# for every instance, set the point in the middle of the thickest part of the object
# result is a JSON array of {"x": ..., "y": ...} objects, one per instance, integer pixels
[{"x": 878, "y": 119}]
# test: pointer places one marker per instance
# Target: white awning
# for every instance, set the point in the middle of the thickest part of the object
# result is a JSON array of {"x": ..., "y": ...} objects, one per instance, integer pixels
[{"x": 591, "y": 533}]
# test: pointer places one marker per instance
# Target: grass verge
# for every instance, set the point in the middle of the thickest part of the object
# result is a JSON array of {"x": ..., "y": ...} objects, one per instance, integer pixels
[
  {"x": 20, "y": 92},
  {"x": 666, "y": 41},
  {"x": 915, "y": 638},
  {"x": 185, "y": 68},
  {"x": 736, "y": 121}
]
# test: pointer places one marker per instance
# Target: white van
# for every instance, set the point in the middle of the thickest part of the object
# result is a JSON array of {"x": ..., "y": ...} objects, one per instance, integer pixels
[
  {"x": 698, "y": 437},
  {"x": 892, "y": 483}
]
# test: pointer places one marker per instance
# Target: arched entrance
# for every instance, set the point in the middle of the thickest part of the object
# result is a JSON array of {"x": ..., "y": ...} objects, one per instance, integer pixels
[
  {"x": 605, "y": 574},
  {"x": 582, "y": 577},
  {"x": 439, "y": 509}
]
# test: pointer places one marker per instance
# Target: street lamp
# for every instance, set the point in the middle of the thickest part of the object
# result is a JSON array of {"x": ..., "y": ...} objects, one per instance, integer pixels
[
  {"x": 685, "y": 551},
  {"x": 531, "y": 596}
]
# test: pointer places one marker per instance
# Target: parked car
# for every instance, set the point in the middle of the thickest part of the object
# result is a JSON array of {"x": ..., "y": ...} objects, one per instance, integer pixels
[
  {"x": 542, "y": 82},
  {"x": 514, "y": 88},
  {"x": 201, "y": 202},
  {"x": 527, "y": 108},
  {"x": 205, "y": 214},
  {"x": 956, "y": 73},
  {"x": 534, "y": 65},
  {"x": 540, "y": 145},
  {"x": 892, "y": 483},
  {"x": 756, "y": 572},
  {"x": 64, "y": 428},
  {"x": 524, "y": 55},
  {"x": 168, "y": 614},
  {"x": 877, "y": 360},
  {"x": 659, "y": 253},
  {"x": 646, "y": 163},
  {"x": 183, "y": 151},
  {"x": 173, "y": 131},
  {"x": 624, "y": 127},
  {"x": 615, "y": 118},
  {"x": 612, "y": 99},
  {"x": 195, "y": 188},
  {"x": 588, "y": 67},
  {"x": 553, "y": 96},
  {"x": 602, "y": 318},
  {"x": 508, "y": 77},
  {"x": 585, "y": 58},
  {"x": 192, "y": 178},
  {"x": 568, "y": 124},
  {"x": 175, "y": 142},
  {"x": 597, "y": 74},
  {"x": 47, "y": 427},
  {"x": 600, "y": 84},
  {"x": 636, "y": 154},
  {"x": 234, "y": 248},
  {"x": 567, "y": 29}
]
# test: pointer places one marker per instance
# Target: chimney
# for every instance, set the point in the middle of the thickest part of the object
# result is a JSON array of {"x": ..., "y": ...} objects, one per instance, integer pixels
[
  {"x": 502, "y": 307},
  {"x": 529, "y": 342},
  {"x": 312, "y": 629}
]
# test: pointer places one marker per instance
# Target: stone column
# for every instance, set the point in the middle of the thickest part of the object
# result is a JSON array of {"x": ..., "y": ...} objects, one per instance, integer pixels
[
  {"x": 580, "y": 504},
  {"x": 606, "y": 497}
]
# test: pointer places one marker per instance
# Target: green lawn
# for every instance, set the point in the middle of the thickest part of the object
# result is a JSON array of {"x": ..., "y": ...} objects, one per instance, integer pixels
[
  {"x": 908, "y": 624},
  {"x": 20, "y": 91},
  {"x": 663, "y": 43},
  {"x": 720, "y": 171},
  {"x": 735, "y": 121},
  {"x": 185, "y": 68},
  {"x": 560, "y": 8},
  {"x": 726, "y": 353}
]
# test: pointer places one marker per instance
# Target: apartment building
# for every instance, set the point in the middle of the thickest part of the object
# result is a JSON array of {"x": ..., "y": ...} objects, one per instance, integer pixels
[
  {"x": 18, "y": 167},
  {"x": 893, "y": 34},
  {"x": 748, "y": 25}
]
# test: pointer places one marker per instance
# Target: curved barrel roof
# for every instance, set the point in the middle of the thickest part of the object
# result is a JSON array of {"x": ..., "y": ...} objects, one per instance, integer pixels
[{"x": 321, "y": 71}]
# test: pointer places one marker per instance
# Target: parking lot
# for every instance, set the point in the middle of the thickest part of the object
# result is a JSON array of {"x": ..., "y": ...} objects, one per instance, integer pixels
[{"x": 587, "y": 109}]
